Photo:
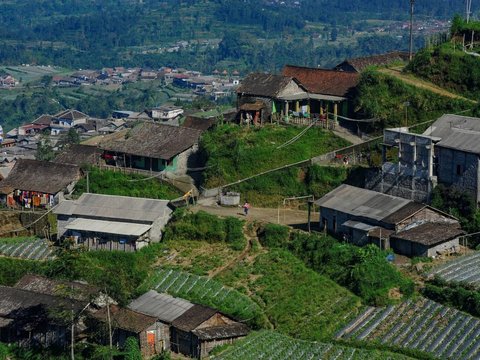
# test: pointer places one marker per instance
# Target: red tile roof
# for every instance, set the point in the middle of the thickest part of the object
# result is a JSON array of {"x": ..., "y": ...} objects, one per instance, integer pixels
[{"x": 323, "y": 81}]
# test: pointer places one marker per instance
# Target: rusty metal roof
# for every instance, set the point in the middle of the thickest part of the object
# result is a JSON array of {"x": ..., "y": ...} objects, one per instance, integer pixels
[{"x": 152, "y": 140}]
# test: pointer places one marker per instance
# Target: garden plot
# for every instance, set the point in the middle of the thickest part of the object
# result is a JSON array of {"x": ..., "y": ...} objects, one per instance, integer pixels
[
  {"x": 464, "y": 269},
  {"x": 37, "y": 249},
  {"x": 424, "y": 325},
  {"x": 273, "y": 345}
]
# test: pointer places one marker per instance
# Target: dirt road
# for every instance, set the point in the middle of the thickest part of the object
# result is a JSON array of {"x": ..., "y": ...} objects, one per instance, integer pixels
[{"x": 294, "y": 218}]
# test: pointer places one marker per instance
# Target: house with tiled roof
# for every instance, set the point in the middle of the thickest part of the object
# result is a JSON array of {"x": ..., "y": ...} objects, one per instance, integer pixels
[
  {"x": 261, "y": 97},
  {"x": 330, "y": 91}
]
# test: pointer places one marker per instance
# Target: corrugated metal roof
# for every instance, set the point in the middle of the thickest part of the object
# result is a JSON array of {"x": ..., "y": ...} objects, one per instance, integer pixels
[
  {"x": 362, "y": 202},
  {"x": 457, "y": 132},
  {"x": 358, "y": 225},
  {"x": 162, "y": 306},
  {"x": 115, "y": 207},
  {"x": 108, "y": 227}
]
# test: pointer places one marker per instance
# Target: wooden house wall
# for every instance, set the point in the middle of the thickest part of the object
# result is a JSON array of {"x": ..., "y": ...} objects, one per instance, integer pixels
[
  {"x": 207, "y": 346},
  {"x": 49, "y": 336}
]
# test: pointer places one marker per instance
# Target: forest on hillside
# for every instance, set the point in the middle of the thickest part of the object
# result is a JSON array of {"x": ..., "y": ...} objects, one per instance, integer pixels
[{"x": 93, "y": 33}]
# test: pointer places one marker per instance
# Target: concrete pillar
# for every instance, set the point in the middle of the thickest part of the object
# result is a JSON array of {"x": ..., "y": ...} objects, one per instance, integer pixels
[
  {"x": 335, "y": 112},
  {"x": 286, "y": 111},
  {"x": 308, "y": 106},
  {"x": 297, "y": 106},
  {"x": 430, "y": 160}
]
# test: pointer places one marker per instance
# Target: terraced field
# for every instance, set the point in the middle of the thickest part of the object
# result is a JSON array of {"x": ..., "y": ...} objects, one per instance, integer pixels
[
  {"x": 275, "y": 346},
  {"x": 464, "y": 269},
  {"x": 28, "y": 249},
  {"x": 424, "y": 325}
]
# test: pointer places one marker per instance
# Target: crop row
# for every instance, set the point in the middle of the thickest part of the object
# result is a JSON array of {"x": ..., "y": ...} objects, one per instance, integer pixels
[
  {"x": 423, "y": 325},
  {"x": 28, "y": 249},
  {"x": 273, "y": 345},
  {"x": 462, "y": 269}
]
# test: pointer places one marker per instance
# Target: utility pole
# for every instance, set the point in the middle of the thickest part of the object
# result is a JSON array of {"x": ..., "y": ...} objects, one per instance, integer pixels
[{"x": 412, "y": 2}]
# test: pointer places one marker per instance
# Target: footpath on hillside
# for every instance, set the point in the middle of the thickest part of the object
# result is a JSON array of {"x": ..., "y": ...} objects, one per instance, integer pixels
[{"x": 420, "y": 83}]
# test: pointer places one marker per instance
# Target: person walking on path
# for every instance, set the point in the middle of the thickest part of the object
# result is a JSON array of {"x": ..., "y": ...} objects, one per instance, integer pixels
[{"x": 246, "y": 207}]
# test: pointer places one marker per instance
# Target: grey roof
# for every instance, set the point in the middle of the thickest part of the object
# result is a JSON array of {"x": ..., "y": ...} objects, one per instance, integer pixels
[
  {"x": 115, "y": 207},
  {"x": 164, "y": 307},
  {"x": 457, "y": 132},
  {"x": 357, "y": 225},
  {"x": 362, "y": 202},
  {"x": 108, "y": 227}
]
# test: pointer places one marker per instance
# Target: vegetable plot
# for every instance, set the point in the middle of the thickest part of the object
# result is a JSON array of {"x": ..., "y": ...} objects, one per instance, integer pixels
[
  {"x": 464, "y": 269},
  {"x": 275, "y": 346},
  {"x": 28, "y": 249},
  {"x": 423, "y": 325}
]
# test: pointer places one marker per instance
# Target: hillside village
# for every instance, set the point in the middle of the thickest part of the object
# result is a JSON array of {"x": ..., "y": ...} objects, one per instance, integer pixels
[{"x": 291, "y": 226}]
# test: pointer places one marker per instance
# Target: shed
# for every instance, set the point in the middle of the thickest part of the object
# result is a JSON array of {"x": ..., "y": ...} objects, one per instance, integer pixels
[
  {"x": 199, "y": 329},
  {"x": 427, "y": 239},
  {"x": 128, "y": 323},
  {"x": 112, "y": 222},
  {"x": 188, "y": 328}
]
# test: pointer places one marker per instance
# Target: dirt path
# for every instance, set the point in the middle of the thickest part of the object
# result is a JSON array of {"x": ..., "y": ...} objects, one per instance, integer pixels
[
  {"x": 243, "y": 255},
  {"x": 347, "y": 135},
  {"x": 420, "y": 83}
]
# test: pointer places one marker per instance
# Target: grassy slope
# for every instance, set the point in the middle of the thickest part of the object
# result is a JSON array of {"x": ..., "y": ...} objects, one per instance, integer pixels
[
  {"x": 291, "y": 294},
  {"x": 449, "y": 67},
  {"x": 384, "y": 97},
  {"x": 116, "y": 183},
  {"x": 237, "y": 152}
]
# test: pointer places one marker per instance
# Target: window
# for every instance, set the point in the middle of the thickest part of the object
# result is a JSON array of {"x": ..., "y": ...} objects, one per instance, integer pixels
[
  {"x": 334, "y": 224},
  {"x": 459, "y": 170}
]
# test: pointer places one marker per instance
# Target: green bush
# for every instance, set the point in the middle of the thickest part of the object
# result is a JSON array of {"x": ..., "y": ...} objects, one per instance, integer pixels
[
  {"x": 203, "y": 226},
  {"x": 274, "y": 235},
  {"x": 132, "y": 349},
  {"x": 461, "y": 296}
]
